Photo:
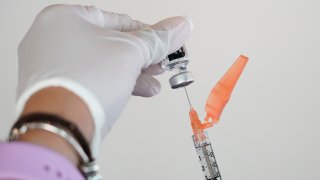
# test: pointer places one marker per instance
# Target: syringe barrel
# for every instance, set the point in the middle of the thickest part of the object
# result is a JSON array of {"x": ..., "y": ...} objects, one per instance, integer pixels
[{"x": 206, "y": 156}]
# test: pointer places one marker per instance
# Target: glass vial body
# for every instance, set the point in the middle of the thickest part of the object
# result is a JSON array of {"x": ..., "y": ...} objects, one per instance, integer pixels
[{"x": 177, "y": 63}]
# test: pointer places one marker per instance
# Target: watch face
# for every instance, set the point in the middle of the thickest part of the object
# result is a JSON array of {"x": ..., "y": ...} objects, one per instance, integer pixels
[{"x": 176, "y": 55}]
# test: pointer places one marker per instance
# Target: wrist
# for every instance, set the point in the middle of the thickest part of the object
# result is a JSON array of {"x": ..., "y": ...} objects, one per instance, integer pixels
[{"x": 61, "y": 102}]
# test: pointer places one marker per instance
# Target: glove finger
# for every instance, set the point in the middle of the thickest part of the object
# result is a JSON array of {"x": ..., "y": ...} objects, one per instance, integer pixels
[
  {"x": 121, "y": 22},
  {"x": 146, "y": 86},
  {"x": 154, "y": 69},
  {"x": 89, "y": 13},
  {"x": 164, "y": 38},
  {"x": 108, "y": 20},
  {"x": 179, "y": 30}
]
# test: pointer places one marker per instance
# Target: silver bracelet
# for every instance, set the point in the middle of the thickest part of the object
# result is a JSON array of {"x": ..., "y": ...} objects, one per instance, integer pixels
[{"x": 87, "y": 167}]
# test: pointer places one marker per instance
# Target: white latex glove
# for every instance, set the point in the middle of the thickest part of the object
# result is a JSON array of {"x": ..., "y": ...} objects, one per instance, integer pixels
[{"x": 102, "y": 57}]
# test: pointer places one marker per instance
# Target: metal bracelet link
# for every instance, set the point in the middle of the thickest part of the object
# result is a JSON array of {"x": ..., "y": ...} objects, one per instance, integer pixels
[{"x": 88, "y": 167}]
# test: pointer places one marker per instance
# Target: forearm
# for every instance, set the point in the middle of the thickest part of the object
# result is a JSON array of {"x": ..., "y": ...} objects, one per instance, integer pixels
[{"x": 61, "y": 102}]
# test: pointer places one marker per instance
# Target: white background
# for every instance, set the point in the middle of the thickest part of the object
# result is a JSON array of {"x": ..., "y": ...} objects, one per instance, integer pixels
[{"x": 270, "y": 128}]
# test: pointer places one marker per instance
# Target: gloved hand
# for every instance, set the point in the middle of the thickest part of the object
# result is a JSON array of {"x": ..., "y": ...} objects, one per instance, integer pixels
[{"x": 100, "y": 56}]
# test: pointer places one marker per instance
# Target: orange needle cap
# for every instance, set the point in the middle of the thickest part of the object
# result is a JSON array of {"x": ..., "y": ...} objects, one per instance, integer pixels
[{"x": 221, "y": 92}]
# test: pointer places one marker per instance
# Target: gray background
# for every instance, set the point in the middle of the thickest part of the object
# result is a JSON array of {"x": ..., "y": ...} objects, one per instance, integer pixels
[{"x": 269, "y": 129}]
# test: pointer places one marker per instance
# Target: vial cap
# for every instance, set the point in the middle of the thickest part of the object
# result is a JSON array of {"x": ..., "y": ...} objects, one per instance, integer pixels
[{"x": 181, "y": 80}]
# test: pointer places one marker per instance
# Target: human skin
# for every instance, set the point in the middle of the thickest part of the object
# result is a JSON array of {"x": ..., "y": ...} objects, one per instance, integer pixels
[{"x": 61, "y": 102}]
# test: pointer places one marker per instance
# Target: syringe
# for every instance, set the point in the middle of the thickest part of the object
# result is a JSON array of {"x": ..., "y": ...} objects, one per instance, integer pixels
[
  {"x": 203, "y": 147},
  {"x": 218, "y": 98},
  {"x": 206, "y": 157}
]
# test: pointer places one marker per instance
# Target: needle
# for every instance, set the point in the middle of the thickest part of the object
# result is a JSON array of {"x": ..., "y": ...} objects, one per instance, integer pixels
[{"x": 185, "y": 89}]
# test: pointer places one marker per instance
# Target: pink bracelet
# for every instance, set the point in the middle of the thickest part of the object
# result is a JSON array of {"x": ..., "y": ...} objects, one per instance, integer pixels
[{"x": 20, "y": 160}]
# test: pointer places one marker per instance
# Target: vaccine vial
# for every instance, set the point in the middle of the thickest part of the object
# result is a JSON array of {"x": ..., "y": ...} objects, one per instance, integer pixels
[{"x": 177, "y": 63}]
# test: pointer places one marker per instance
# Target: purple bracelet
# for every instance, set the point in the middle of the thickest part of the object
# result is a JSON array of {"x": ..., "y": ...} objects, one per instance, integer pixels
[{"x": 20, "y": 160}]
